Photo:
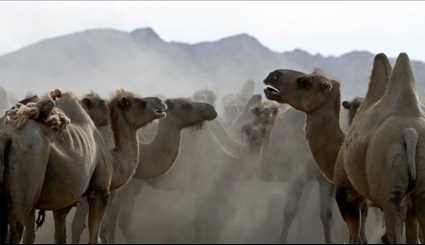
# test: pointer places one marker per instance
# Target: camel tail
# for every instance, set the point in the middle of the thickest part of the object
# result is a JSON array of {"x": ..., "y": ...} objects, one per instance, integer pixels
[
  {"x": 410, "y": 136},
  {"x": 5, "y": 144}
]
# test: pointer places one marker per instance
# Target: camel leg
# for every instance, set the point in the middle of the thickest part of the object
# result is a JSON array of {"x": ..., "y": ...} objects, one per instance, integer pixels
[
  {"x": 29, "y": 233},
  {"x": 349, "y": 206},
  {"x": 79, "y": 221},
  {"x": 108, "y": 229},
  {"x": 411, "y": 227},
  {"x": 98, "y": 200},
  {"x": 126, "y": 206},
  {"x": 291, "y": 206},
  {"x": 326, "y": 201},
  {"x": 16, "y": 229},
  {"x": 363, "y": 212},
  {"x": 393, "y": 223},
  {"x": 60, "y": 224},
  {"x": 419, "y": 205}
]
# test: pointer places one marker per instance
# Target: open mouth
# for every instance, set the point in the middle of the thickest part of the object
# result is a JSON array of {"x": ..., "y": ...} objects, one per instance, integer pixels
[{"x": 272, "y": 90}]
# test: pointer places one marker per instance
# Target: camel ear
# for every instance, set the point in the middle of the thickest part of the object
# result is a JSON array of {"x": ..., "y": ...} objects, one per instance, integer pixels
[
  {"x": 303, "y": 83},
  {"x": 124, "y": 102},
  {"x": 87, "y": 103},
  {"x": 346, "y": 104},
  {"x": 325, "y": 86}
]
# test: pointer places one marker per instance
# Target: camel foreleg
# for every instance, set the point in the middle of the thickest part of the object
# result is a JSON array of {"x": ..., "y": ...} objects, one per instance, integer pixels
[{"x": 98, "y": 200}]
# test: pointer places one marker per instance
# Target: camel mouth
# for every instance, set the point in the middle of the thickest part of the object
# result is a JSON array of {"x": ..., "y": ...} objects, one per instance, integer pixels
[
  {"x": 272, "y": 93},
  {"x": 272, "y": 90}
]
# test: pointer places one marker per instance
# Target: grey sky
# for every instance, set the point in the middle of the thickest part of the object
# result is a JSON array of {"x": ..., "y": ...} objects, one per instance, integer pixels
[{"x": 318, "y": 27}]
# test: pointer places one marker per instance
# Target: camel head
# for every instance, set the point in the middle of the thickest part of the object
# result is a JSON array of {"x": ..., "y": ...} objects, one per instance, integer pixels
[
  {"x": 352, "y": 107},
  {"x": 265, "y": 114},
  {"x": 255, "y": 133},
  {"x": 186, "y": 113},
  {"x": 97, "y": 108},
  {"x": 305, "y": 92},
  {"x": 137, "y": 111},
  {"x": 206, "y": 96}
]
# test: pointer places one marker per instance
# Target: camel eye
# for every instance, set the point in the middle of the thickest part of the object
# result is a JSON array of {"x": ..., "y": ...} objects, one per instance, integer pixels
[{"x": 275, "y": 77}]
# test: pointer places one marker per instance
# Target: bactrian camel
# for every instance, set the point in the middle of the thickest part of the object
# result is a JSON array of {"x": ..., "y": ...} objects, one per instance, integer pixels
[
  {"x": 152, "y": 163},
  {"x": 52, "y": 170},
  {"x": 320, "y": 98}
]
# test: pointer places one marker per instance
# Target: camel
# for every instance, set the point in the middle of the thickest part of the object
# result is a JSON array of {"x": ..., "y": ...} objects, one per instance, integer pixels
[
  {"x": 319, "y": 98},
  {"x": 376, "y": 115},
  {"x": 257, "y": 131},
  {"x": 392, "y": 130},
  {"x": 181, "y": 113},
  {"x": 289, "y": 160},
  {"x": 125, "y": 113},
  {"x": 352, "y": 107},
  {"x": 68, "y": 164},
  {"x": 221, "y": 157}
]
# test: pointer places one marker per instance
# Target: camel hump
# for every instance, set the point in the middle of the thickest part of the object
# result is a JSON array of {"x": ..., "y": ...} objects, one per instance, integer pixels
[
  {"x": 379, "y": 79},
  {"x": 410, "y": 137},
  {"x": 401, "y": 91}
]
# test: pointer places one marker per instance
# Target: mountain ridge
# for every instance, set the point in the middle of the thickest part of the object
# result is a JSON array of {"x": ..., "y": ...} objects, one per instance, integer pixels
[{"x": 105, "y": 59}]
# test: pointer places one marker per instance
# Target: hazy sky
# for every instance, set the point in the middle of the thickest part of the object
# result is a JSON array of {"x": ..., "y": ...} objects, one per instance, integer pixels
[{"x": 318, "y": 27}]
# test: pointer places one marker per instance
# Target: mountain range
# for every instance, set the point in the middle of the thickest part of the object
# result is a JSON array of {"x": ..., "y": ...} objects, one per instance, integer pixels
[{"x": 106, "y": 59}]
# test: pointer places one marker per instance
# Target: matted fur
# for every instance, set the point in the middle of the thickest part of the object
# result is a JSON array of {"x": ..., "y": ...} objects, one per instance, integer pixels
[{"x": 31, "y": 109}]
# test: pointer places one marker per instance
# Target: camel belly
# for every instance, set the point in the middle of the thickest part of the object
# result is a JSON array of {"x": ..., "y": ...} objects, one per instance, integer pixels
[
  {"x": 355, "y": 169},
  {"x": 387, "y": 165},
  {"x": 66, "y": 181}
]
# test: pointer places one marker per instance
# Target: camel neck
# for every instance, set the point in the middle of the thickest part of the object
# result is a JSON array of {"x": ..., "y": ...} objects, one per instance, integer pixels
[
  {"x": 126, "y": 151},
  {"x": 159, "y": 156},
  {"x": 324, "y": 134}
]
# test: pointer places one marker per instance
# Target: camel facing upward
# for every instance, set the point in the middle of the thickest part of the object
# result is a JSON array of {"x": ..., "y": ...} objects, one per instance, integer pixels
[{"x": 320, "y": 100}]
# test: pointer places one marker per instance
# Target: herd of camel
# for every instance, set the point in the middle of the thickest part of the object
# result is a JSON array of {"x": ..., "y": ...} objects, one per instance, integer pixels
[{"x": 58, "y": 151}]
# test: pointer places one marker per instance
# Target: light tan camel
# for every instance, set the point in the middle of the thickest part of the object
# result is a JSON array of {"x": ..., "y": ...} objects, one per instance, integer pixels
[
  {"x": 125, "y": 114},
  {"x": 126, "y": 120},
  {"x": 65, "y": 165},
  {"x": 319, "y": 98},
  {"x": 181, "y": 113},
  {"x": 386, "y": 138}
]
